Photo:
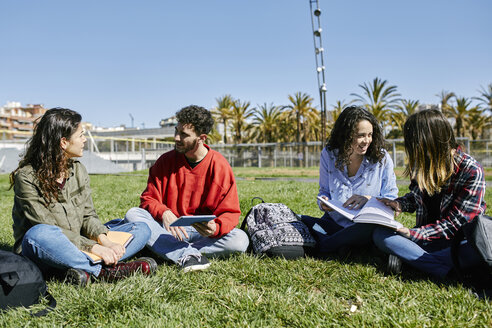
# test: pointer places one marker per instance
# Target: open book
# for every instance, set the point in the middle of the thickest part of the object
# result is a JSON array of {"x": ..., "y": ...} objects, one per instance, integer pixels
[
  {"x": 373, "y": 212},
  {"x": 119, "y": 237}
]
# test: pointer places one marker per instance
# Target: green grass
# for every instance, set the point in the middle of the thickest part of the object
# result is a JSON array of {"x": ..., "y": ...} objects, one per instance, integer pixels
[
  {"x": 245, "y": 290},
  {"x": 305, "y": 172}
]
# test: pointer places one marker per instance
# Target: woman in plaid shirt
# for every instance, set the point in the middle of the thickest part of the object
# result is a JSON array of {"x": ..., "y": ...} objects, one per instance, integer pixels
[{"x": 446, "y": 191}]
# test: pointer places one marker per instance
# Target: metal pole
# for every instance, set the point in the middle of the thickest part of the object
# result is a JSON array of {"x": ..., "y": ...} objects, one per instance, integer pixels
[
  {"x": 320, "y": 65},
  {"x": 394, "y": 153}
]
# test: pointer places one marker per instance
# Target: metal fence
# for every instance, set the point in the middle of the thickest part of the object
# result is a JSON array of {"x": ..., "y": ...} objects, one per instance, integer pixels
[
  {"x": 138, "y": 154},
  {"x": 308, "y": 154}
]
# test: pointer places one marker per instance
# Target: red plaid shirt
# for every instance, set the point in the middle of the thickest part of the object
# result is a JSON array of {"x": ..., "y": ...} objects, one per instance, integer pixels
[{"x": 462, "y": 200}]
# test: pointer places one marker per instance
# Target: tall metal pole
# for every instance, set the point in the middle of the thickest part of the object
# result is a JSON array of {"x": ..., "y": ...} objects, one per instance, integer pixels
[{"x": 320, "y": 64}]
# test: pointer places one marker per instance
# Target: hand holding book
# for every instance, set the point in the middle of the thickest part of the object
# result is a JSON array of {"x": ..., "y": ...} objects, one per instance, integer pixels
[
  {"x": 391, "y": 203},
  {"x": 356, "y": 202},
  {"x": 106, "y": 251}
]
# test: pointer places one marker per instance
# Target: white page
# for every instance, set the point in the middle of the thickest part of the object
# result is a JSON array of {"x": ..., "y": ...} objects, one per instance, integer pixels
[
  {"x": 376, "y": 208},
  {"x": 338, "y": 206}
]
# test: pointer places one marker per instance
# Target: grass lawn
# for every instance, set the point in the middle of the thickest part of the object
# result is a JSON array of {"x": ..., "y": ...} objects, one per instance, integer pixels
[
  {"x": 306, "y": 172},
  {"x": 247, "y": 291}
]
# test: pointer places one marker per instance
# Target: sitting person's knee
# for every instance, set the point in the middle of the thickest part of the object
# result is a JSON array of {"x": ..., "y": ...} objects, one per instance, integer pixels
[
  {"x": 40, "y": 234},
  {"x": 380, "y": 234},
  {"x": 136, "y": 214},
  {"x": 143, "y": 229},
  {"x": 240, "y": 241}
]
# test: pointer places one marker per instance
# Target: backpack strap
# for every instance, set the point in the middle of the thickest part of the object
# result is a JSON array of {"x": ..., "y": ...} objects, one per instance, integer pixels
[
  {"x": 50, "y": 307},
  {"x": 252, "y": 199},
  {"x": 243, "y": 224},
  {"x": 243, "y": 228}
]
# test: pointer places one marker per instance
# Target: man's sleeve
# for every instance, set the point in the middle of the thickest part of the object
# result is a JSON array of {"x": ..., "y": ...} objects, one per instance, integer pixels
[
  {"x": 152, "y": 197},
  {"x": 227, "y": 211}
]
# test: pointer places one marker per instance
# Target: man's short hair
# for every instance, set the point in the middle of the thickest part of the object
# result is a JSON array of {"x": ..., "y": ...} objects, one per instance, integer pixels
[{"x": 200, "y": 118}]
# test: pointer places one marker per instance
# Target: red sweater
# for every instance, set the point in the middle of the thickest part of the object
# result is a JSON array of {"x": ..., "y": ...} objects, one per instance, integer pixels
[{"x": 209, "y": 188}]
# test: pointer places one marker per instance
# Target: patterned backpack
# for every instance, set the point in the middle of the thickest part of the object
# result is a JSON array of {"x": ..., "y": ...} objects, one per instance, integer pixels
[{"x": 275, "y": 230}]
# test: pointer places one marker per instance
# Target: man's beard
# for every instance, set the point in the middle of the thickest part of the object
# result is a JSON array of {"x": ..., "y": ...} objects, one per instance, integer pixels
[{"x": 184, "y": 149}]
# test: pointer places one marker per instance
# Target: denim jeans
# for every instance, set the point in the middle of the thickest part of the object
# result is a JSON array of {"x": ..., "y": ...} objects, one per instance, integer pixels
[
  {"x": 431, "y": 257},
  {"x": 165, "y": 245},
  {"x": 336, "y": 236},
  {"x": 48, "y": 247}
]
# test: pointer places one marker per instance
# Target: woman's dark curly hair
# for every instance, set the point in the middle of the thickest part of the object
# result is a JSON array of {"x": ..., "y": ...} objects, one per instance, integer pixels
[
  {"x": 199, "y": 117},
  {"x": 343, "y": 133},
  {"x": 44, "y": 152}
]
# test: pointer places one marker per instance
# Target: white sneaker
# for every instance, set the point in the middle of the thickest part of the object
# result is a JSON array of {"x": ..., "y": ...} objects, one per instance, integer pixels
[{"x": 193, "y": 263}]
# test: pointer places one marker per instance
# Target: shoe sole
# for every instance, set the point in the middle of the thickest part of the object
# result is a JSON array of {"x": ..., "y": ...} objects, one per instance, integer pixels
[
  {"x": 196, "y": 267},
  {"x": 151, "y": 262},
  {"x": 74, "y": 278},
  {"x": 394, "y": 265}
]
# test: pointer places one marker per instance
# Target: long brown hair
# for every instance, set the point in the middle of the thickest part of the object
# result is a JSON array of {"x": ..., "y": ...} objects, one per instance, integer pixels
[
  {"x": 342, "y": 136},
  {"x": 429, "y": 144},
  {"x": 43, "y": 150}
]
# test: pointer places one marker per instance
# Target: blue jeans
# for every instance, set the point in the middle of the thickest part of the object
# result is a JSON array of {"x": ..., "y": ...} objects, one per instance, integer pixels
[
  {"x": 165, "y": 245},
  {"x": 431, "y": 257},
  {"x": 337, "y": 236},
  {"x": 48, "y": 247}
]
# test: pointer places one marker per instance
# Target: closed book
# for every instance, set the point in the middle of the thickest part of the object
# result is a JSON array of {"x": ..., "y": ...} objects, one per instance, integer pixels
[{"x": 119, "y": 237}]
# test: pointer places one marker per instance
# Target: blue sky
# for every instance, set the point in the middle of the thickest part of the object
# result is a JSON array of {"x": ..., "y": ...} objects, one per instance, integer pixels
[{"x": 107, "y": 59}]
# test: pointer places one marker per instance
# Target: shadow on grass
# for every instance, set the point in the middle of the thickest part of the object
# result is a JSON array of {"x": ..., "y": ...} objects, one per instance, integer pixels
[
  {"x": 5, "y": 247},
  {"x": 476, "y": 279}
]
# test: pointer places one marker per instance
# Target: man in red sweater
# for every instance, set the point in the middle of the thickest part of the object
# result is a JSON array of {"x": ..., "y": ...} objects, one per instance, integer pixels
[{"x": 192, "y": 179}]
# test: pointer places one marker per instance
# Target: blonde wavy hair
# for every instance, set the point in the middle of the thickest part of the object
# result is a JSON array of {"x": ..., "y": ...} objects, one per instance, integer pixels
[{"x": 430, "y": 146}]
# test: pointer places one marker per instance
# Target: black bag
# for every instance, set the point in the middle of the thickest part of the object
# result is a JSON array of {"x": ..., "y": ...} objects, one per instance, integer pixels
[
  {"x": 478, "y": 234},
  {"x": 21, "y": 283},
  {"x": 275, "y": 230}
]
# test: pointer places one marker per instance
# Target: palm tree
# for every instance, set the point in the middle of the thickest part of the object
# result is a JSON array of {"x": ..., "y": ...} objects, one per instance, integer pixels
[
  {"x": 239, "y": 116},
  {"x": 406, "y": 108},
  {"x": 478, "y": 121},
  {"x": 223, "y": 111},
  {"x": 302, "y": 111},
  {"x": 265, "y": 119},
  {"x": 214, "y": 136},
  {"x": 460, "y": 113},
  {"x": 445, "y": 99},
  {"x": 286, "y": 127},
  {"x": 486, "y": 97},
  {"x": 378, "y": 98},
  {"x": 335, "y": 112},
  {"x": 314, "y": 127}
]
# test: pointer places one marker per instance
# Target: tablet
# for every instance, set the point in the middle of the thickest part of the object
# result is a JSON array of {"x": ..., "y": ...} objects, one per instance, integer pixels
[{"x": 189, "y": 220}]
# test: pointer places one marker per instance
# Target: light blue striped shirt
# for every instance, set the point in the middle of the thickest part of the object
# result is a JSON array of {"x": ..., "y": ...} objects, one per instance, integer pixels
[{"x": 372, "y": 179}]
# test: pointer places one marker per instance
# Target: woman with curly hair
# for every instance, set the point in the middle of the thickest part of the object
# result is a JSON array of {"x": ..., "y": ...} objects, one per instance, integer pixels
[
  {"x": 354, "y": 167},
  {"x": 54, "y": 217}
]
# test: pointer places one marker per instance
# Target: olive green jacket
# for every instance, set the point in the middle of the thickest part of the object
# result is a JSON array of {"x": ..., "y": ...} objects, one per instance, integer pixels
[{"x": 74, "y": 211}]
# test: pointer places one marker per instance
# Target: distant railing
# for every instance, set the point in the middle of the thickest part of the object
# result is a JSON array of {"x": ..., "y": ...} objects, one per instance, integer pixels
[{"x": 138, "y": 154}]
